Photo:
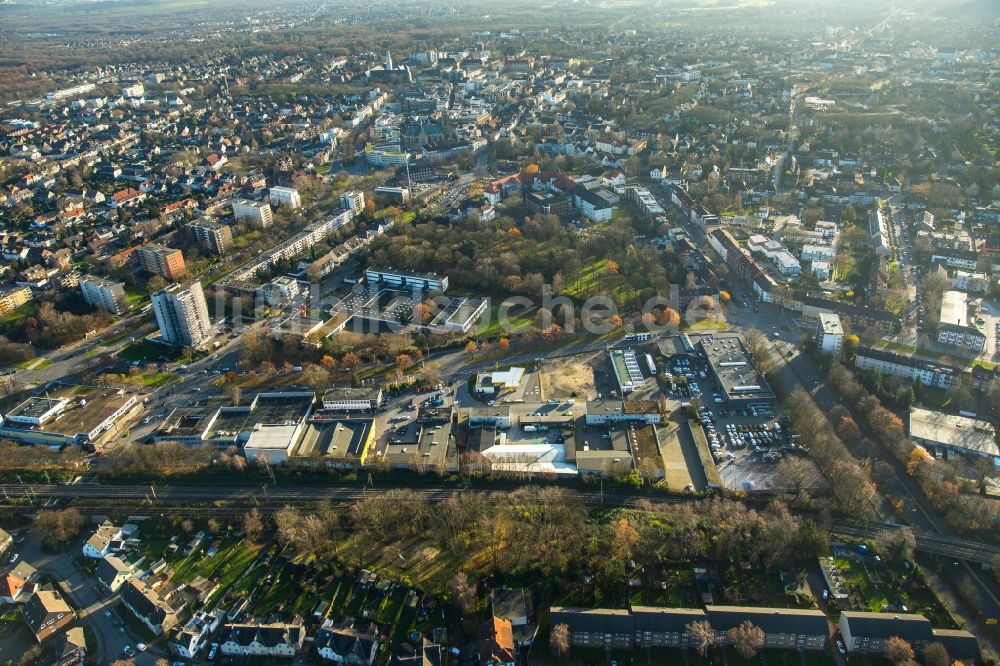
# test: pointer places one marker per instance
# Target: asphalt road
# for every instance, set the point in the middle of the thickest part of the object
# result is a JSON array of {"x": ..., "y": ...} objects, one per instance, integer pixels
[
  {"x": 923, "y": 518},
  {"x": 95, "y": 606}
]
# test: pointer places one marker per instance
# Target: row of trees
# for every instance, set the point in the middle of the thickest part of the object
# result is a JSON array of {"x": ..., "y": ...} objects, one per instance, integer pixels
[
  {"x": 938, "y": 479},
  {"x": 852, "y": 484}
]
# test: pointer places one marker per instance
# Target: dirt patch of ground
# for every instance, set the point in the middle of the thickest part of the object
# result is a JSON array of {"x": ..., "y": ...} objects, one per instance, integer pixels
[{"x": 568, "y": 378}]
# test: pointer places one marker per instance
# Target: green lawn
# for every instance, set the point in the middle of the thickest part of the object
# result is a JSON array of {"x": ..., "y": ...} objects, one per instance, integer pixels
[
  {"x": 875, "y": 598},
  {"x": 20, "y": 313},
  {"x": 134, "y": 295},
  {"x": 591, "y": 278},
  {"x": 35, "y": 364},
  {"x": 154, "y": 379},
  {"x": 143, "y": 350},
  {"x": 490, "y": 326}
]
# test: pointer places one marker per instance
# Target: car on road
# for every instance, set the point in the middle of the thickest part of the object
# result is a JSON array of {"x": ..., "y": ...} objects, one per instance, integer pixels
[
  {"x": 840, "y": 647},
  {"x": 107, "y": 614},
  {"x": 128, "y": 651},
  {"x": 13, "y": 558},
  {"x": 141, "y": 647}
]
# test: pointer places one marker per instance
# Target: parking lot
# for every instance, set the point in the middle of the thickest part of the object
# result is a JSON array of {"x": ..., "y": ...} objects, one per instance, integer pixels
[{"x": 747, "y": 442}]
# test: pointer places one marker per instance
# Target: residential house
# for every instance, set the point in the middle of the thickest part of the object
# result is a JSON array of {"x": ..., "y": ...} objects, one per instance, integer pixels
[
  {"x": 151, "y": 603},
  {"x": 5, "y": 540},
  {"x": 46, "y": 613},
  {"x": 105, "y": 539},
  {"x": 126, "y": 197},
  {"x": 426, "y": 654},
  {"x": 350, "y": 642},
  {"x": 193, "y": 636},
  {"x": 17, "y": 583},
  {"x": 262, "y": 640},
  {"x": 496, "y": 643},
  {"x": 73, "y": 650},
  {"x": 112, "y": 571}
]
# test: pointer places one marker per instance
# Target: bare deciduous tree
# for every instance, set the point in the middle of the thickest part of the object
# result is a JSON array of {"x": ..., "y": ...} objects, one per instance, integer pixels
[
  {"x": 897, "y": 545},
  {"x": 702, "y": 636},
  {"x": 305, "y": 533},
  {"x": 747, "y": 638},
  {"x": 463, "y": 592},
  {"x": 935, "y": 654},
  {"x": 253, "y": 525},
  {"x": 899, "y": 651},
  {"x": 559, "y": 640},
  {"x": 56, "y": 528}
]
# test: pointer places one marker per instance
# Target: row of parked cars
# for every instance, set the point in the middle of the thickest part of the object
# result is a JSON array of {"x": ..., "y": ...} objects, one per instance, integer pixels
[{"x": 715, "y": 441}]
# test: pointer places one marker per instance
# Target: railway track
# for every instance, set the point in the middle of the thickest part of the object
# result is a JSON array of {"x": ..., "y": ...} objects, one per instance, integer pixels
[{"x": 234, "y": 500}]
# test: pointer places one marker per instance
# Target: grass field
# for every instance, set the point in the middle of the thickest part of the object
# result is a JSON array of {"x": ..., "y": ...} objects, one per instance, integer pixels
[
  {"x": 35, "y": 363},
  {"x": 134, "y": 295},
  {"x": 20, "y": 313},
  {"x": 154, "y": 379},
  {"x": 144, "y": 350},
  {"x": 490, "y": 326},
  {"x": 595, "y": 277}
]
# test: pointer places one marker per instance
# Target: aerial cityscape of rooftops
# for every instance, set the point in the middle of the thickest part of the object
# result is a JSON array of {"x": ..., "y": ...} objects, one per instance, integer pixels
[{"x": 437, "y": 333}]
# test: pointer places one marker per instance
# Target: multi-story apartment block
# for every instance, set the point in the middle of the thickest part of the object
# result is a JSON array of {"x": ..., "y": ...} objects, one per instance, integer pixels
[
  {"x": 254, "y": 213},
  {"x": 642, "y": 626},
  {"x": 285, "y": 196},
  {"x": 212, "y": 236},
  {"x": 182, "y": 314},
  {"x": 830, "y": 334},
  {"x": 157, "y": 259},
  {"x": 886, "y": 362},
  {"x": 970, "y": 282},
  {"x": 953, "y": 326},
  {"x": 101, "y": 292},
  {"x": 11, "y": 298},
  {"x": 353, "y": 201}
]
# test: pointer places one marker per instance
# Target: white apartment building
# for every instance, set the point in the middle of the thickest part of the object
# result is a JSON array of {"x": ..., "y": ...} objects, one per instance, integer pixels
[
  {"x": 830, "y": 333},
  {"x": 886, "y": 362},
  {"x": 970, "y": 282},
  {"x": 778, "y": 254},
  {"x": 256, "y": 213},
  {"x": 817, "y": 253},
  {"x": 353, "y": 201},
  {"x": 285, "y": 196},
  {"x": 953, "y": 326},
  {"x": 182, "y": 315}
]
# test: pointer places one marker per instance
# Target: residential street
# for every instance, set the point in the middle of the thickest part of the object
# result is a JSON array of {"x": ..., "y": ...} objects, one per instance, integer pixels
[{"x": 85, "y": 595}]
